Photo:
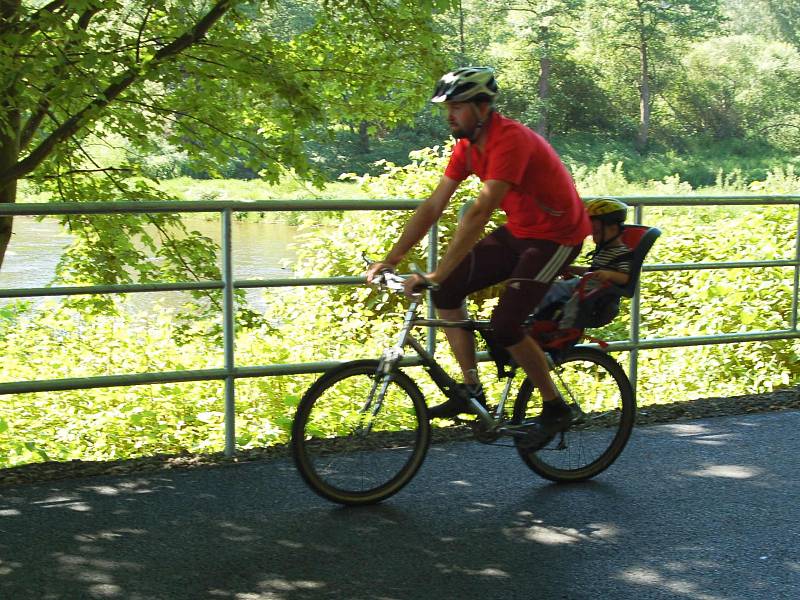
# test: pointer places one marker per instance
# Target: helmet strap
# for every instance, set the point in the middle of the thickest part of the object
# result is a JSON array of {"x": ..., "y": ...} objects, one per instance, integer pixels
[
  {"x": 476, "y": 131},
  {"x": 605, "y": 242}
]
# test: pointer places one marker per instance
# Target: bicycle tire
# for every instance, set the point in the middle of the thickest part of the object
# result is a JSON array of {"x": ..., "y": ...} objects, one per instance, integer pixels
[
  {"x": 339, "y": 459},
  {"x": 596, "y": 383}
]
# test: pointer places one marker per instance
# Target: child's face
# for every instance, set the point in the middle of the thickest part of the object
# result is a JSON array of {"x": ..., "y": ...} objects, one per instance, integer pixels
[
  {"x": 602, "y": 233},
  {"x": 597, "y": 231}
]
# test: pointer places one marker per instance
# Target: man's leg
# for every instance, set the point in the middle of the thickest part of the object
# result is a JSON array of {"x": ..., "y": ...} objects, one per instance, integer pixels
[
  {"x": 531, "y": 359},
  {"x": 489, "y": 262},
  {"x": 556, "y": 415},
  {"x": 462, "y": 342},
  {"x": 539, "y": 264}
]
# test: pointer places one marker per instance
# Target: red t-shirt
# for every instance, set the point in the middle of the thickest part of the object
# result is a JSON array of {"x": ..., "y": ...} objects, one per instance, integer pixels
[{"x": 542, "y": 202}]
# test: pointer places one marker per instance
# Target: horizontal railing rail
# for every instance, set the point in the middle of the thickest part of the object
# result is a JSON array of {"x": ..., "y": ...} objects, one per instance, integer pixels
[{"x": 230, "y": 372}]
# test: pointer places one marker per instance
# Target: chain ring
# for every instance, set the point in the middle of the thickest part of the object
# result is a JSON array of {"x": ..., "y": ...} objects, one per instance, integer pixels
[{"x": 481, "y": 434}]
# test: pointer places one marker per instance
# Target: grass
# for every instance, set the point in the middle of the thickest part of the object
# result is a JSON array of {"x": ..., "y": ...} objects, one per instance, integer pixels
[{"x": 186, "y": 188}]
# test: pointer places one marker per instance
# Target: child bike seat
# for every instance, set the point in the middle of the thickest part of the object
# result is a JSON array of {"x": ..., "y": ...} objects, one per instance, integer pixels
[{"x": 598, "y": 305}]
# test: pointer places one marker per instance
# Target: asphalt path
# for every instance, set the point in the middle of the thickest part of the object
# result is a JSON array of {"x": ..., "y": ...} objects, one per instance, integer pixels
[{"x": 702, "y": 510}]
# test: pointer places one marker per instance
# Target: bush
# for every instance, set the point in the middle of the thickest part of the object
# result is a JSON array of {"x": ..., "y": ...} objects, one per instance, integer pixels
[{"x": 347, "y": 322}]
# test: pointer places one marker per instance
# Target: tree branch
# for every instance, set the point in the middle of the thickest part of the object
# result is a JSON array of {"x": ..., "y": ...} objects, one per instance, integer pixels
[
  {"x": 141, "y": 32},
  {"x": 82, "y": 171},
  {"x": 32, "y": 24},
  {"x": 173, "y": 115},
  {"x": 42, "y": 108},
  {"x": 113, "y": 91}
]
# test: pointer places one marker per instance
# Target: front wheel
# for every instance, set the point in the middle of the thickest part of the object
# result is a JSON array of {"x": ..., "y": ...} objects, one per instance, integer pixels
[
  {"x": 604, "y": 410},
  {"x": 360, "y": 435}
]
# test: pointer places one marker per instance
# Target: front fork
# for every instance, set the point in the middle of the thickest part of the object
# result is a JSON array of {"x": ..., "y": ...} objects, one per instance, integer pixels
[
  {"x": 388, "y": 362},
  {"x": 392, "y": 356}
]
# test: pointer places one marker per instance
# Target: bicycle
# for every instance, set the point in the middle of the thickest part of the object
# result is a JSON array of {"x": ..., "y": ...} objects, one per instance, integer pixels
[{"x": 361, "y": 431}]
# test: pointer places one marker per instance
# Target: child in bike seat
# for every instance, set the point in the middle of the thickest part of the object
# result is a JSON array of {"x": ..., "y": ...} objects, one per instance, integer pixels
[{"x": 610, "y": 262}]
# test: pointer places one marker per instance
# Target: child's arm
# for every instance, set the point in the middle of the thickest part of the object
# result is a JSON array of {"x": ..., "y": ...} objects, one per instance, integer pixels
[
  {"x": 575, "y": 270},
  {"x": 614, "y": 277}
]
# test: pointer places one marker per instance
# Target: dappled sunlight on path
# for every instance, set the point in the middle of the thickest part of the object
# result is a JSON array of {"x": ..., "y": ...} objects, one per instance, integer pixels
[{"x": 675, "y": 518}]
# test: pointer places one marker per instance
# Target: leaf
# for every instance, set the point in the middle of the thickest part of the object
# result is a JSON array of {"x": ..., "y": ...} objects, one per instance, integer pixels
[
  {"x": 747, "y": 317},
  {"x": 291, "y": 400},
  {"x": 210, "y": 416}
]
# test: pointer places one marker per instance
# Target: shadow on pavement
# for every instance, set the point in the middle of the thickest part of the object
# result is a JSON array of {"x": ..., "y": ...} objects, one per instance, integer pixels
[{"x": 702, "y": 509}]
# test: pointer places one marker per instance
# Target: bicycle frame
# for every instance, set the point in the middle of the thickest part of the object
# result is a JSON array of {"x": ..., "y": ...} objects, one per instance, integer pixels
[
  {"x": 368, "y": 460},
  {"x": 393, "y": 355}
]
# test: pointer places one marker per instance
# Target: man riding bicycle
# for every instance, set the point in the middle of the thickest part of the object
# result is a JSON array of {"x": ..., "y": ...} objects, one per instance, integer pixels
[{"x": 545, "y": 228}]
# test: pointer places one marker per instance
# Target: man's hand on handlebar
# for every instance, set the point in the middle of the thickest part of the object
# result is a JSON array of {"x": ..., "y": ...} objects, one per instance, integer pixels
[
  {"x": 416, "y": 282},
  {"x": 382, "y": 273},
  {"x": 376, "y": 268}
]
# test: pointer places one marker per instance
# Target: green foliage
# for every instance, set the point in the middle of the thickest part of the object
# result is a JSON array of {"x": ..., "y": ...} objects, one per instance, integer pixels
[
  {"x": 288, "y": 188},
  {"x": 301, "y": 90},
  {"x": 733, "y": 164},
  {"x": 717, "y": 103},
  {"x": 100, "y": 93},
  {"x": 741, "y": 87},
  {"x": 104, "y": 424},
  {"x": 348, "y": 322}
]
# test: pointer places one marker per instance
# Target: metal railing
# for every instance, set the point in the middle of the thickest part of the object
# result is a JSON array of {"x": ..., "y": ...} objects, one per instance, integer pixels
[{"x": 230, "y": 372}]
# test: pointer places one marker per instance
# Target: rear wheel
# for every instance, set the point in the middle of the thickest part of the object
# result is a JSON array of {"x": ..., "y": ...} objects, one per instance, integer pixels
[
  {"x": 359, "y": 435},
  {"x": 604, "y": 408}
]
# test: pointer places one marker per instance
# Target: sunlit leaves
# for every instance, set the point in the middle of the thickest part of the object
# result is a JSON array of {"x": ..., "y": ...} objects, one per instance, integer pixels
[
  {"x": 255, "y": 88},
  {"x": 742, "y": 86}
]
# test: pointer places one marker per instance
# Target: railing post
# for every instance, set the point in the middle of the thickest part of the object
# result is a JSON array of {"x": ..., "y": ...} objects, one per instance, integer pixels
[
  {"x": 228, "y": 326},
  {"x": 433, "y": 257},
  {"x": 633, "y": 357},
  {"x": 796, "y": 272}
]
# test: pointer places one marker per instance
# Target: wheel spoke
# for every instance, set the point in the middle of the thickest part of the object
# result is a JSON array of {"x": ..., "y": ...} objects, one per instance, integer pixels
[
  {"x": 603, "y": 403},
  {"x": 357, "y": 440}
]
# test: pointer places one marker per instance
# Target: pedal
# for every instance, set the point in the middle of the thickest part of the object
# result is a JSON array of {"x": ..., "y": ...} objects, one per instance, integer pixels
[{"x": 522, "y": 432}]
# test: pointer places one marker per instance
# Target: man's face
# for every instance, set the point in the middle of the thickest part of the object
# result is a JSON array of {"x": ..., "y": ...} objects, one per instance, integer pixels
[{"x": 462, "y": 118}]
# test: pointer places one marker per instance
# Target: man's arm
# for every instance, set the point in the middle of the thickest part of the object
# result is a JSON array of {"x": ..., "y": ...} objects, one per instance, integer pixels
[
  {"x": 421, "y": 221},
  {"x": 470, "y": 228}
]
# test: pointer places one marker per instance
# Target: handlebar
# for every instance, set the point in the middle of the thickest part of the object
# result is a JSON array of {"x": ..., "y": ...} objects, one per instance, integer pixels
[{"x": 391, "y": 280}]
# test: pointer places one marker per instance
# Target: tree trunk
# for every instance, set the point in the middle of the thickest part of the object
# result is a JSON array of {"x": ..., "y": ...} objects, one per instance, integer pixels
[
  {"x": 644, "y": 93},
  {"x": 544, "y": 84},
  {"x": 9, "y": 153},
  {"x": 462, "y": 46},
  {"x": 786, "y": 17},
  {"x": 363, "y": 136},
  {"x": 9, "y": 137}
]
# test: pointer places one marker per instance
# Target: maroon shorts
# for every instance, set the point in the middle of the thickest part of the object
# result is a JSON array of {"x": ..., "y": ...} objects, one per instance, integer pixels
[{"x": 527, "y": 265}]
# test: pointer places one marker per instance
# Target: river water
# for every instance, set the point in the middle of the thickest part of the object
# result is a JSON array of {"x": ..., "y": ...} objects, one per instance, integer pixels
[{"x": 260, "y": 251}]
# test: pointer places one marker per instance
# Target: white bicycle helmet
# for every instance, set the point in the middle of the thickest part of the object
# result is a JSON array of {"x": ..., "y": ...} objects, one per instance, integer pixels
[{"x": 468, "y": 84}]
